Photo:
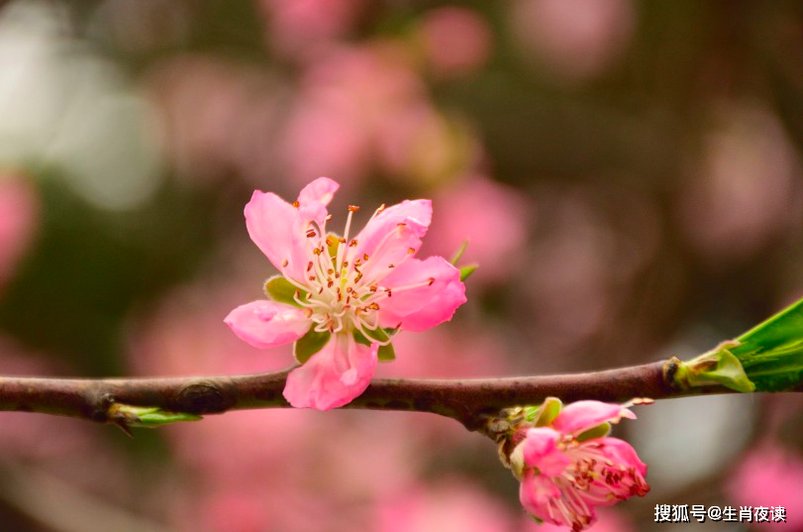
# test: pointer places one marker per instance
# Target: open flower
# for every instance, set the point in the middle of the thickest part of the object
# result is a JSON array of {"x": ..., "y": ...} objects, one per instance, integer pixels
[
  {"x": 341, "y": 298},
  {"x": 568, "y": 465}
]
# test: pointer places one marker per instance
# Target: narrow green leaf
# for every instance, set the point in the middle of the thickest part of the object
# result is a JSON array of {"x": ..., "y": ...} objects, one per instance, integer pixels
[
  {"x": 281, "y": 290},
  {"x": 164, "y": 417},
  {"x": 309, "y": 344},
  {"x": 459, "y": 253},
  {"x": 386, "y": 353},
  {"x": 466, "y": 271},
  {"x": 146, "y": 416}
]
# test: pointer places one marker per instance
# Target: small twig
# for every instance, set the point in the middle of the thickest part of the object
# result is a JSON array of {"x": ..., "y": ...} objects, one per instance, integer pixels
[{"x": 468, "y": 401}]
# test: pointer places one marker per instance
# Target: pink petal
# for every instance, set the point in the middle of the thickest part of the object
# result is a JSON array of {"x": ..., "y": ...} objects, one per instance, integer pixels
[
  {"x": 415, "y": 214},
  {"x": 277, "y": 229},
  {"x": 621, "y": 452},
  {"x": 541, "y": 451},
  {"x": 429, "y": 303},
  {"x": 334, "y": 376},
  {"x": 584, "y": 415},
  {"x": 535, "y": 493},
  {"x": 314, "y": 198},
  {"x": 266, "y": 323}
]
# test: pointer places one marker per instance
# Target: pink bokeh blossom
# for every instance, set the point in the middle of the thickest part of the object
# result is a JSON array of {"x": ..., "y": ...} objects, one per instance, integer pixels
[
  {"x": 301, "y": 28},
  {"x": 491, "y": 217},
  {"x": 348, "y": 290},
  {"x": 449, "y": 506},
  {"x": 565, "y": 477},
  {"x": 365, "y": 108},
  {"x": 770, "y": 476},
  {"x": 456, "y": 40},
  {"x": 19, "y": 213},
  {"x": 607, "y": 521},
  {"x": 575, "y": 39}
]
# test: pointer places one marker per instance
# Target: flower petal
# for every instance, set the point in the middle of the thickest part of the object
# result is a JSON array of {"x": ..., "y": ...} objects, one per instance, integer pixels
[
  {"x": 535, "y": 493},
  {"x": 333, "y": 376},
  {"x": 437, "y": 293},
  {"x": 277, "y": 229},
  {"x": 314, "y": 198},
  {"x": 541, "y": 451},
  {"x": 266, "y": 323},
  {"x": 415, "y": 214},
  {"x": 583, "y": 415},
  {"x": 621, "y": 452}
]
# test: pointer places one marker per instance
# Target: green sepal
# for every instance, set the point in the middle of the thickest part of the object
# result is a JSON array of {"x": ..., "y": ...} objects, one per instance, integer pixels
[
  {"x": 377, "y": 335},
  {"x": 549, "y": 411},
  {"x": 466, "y": 271},
  {"x": 146, "y": 416},
  {"x": 309, "y": 344},
  {"x": 545, "y": 413},
  {"x": 386, "y": 353},
  {"x": 600, "y": 431},
  {"x": 360, "y": 338},
  {"x": 281, "y": 290},
  {"x": 718, "y": 366}
]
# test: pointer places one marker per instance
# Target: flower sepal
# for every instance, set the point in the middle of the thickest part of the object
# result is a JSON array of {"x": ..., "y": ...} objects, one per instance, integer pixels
[
  {"x": 309, "y": 344},
  {"x": 543, "y": 414},
  {"x": 281, "y": 290}
]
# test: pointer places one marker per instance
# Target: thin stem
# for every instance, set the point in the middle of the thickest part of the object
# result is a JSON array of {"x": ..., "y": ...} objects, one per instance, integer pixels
[{"x": 469, "y": 401}]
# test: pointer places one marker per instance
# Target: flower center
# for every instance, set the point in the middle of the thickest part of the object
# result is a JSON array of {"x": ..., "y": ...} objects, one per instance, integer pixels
[{"x": 342, "y": 291}]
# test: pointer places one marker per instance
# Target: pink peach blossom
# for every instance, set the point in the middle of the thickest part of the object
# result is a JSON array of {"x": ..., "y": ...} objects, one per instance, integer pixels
[
  {"x": 565, "y": 476},
  {"x": 454, "y": 505},
  {"x": 574, "y": 39},
  {"x": 770, "y": 476},
  {"x": 349, "y": 294},
  {"x": 299, "y": 28},
  {"x": 492, "y": 218},
  {"x": 456, "y": 40},
  {"x": 19, "y": 208}
]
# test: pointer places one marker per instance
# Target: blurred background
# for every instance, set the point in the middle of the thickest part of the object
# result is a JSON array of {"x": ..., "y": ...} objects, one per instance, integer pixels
[{"x": 627, "y": 174}]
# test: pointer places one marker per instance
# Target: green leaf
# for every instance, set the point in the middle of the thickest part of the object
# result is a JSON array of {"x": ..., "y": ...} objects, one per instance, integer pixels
[
  {"x": 164, "y": 417},
  {"x": 281, "y": 290},
  {"x": 466, "y": 271},
  {"x": 309, "y": 344},
  {"x": 146, "y": 416},
  {"x": 459, "y": 253},
  {"x": 600, "y": 431},
  {"x": 386, "y": 353},
  {"x": 772, "y": 351}
]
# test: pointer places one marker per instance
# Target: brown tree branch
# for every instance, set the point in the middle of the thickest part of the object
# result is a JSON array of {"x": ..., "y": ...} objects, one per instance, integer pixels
[{"x": 469, "y": 401}]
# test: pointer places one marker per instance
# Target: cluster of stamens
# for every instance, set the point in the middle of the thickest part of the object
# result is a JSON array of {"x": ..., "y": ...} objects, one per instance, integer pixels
[{"x": 342, "y": 292}]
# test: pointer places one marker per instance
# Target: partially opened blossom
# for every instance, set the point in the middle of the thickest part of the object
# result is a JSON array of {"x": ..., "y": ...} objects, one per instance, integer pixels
[
  {"x": 341, "y": 298},
  {"x": 568, "y": 465}
]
